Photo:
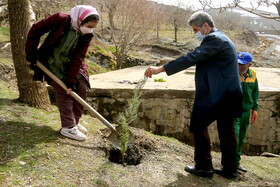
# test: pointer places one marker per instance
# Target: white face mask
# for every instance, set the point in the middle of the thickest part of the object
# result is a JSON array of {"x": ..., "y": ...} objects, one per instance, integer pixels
[
  {"x": 199, "y": 35},
  {"x": 86, "y": 30}
]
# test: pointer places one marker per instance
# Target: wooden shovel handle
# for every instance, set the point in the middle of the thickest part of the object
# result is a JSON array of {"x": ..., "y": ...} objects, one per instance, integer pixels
[{"x": 76, "y": 97}]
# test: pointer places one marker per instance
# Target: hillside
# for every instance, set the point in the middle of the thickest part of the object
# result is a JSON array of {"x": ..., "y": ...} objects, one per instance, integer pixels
[{"x": 264, "y": 49}]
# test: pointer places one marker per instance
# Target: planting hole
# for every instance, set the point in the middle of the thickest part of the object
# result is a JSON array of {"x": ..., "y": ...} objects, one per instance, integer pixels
[{"x": 133, "y": 156}]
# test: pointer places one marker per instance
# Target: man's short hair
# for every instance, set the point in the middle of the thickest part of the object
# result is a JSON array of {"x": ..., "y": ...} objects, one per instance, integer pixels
[{"x": 199, "y": 18}]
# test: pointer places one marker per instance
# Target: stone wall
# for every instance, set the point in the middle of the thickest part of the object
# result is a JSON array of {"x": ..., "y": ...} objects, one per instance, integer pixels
[{"x": 167, "y": 112}]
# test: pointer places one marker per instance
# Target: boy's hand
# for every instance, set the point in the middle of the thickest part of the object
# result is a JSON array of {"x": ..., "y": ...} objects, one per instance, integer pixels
[{"x": 254, "y": 116}]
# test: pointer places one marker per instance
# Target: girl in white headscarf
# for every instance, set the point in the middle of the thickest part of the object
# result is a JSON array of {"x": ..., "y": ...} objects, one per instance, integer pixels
[
  {"x": 63, "y": 52},
  {"x": 80, "y": 13}
]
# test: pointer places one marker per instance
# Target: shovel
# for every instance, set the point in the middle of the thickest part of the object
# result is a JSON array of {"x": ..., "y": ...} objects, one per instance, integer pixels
[{"x": 114, "y": 136}]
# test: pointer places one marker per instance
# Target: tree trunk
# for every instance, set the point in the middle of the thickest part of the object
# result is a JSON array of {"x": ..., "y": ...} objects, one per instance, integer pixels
[
  {"x": 176, "y": 30},
  {"x": 30, "y": 92},
  {"x": 158, "y": 28},
  {"x": 277, "y": 5},
  {"x": 102, "y": 29},
  {"x": 111, "y": 14}
]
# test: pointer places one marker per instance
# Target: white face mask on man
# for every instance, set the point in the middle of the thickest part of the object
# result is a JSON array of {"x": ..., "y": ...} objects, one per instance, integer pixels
[
  {"x": 199, "y": 35},
  {"x": 86, "y": 30}
]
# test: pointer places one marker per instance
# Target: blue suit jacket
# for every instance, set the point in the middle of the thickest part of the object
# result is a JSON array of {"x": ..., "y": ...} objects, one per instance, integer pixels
[{"x": 217, "y": 82}]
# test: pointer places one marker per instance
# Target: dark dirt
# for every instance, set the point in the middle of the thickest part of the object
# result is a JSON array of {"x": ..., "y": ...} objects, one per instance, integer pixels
[
  {"x": 139, "y": 145},
  {"x": 132, "y": 156},
  {"x": 248, "y": 38}
]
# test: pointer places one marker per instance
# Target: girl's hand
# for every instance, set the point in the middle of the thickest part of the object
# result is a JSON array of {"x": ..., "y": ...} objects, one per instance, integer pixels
[{"x": 68, "y": 91}]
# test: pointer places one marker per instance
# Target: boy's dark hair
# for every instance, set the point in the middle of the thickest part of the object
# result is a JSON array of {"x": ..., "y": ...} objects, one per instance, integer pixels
[{"x": 94, "y": 18}]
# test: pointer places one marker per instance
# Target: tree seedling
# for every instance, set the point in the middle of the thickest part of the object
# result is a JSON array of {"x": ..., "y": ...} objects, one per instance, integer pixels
[{"x": 129, "y": 116}]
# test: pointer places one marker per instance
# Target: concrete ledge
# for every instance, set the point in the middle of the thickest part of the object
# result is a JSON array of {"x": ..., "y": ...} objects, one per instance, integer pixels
[
  {"x": 167, "y": 112},
  {"x": 268, "y": 79},
  {"x": 128, "y": 93}
]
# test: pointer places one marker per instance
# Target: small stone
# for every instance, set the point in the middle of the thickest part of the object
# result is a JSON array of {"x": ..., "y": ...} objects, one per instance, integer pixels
[{"x": 22, "y": 163}]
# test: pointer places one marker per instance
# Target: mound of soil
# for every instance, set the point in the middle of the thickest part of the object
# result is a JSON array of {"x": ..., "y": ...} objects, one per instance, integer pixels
[{"x": 248, "y": 38}]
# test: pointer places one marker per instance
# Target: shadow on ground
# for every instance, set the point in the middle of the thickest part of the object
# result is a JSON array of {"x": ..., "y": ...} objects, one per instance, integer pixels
[
  {"x": 17, "y": 136},
  {"x": 193, "y": 180}
]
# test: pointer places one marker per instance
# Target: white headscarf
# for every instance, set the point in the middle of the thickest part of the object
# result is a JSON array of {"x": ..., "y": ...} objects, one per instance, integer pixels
[{"x": 79, "y": 13}]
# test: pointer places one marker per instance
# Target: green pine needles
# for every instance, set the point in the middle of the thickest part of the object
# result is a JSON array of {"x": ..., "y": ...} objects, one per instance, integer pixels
[{"x": 129, "y": 116}]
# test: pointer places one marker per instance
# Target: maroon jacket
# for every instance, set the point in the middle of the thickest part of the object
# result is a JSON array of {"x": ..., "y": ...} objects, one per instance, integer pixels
[{"x": 56, "y": 25}]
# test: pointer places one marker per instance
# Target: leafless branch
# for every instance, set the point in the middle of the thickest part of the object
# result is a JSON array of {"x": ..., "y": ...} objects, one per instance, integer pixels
[
  {"x": 236, "y": 4},
  {"x": 277, "y": 18}
]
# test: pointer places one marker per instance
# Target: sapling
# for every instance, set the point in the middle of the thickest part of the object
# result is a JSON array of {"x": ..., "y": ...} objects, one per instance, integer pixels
[{"x": 129, "y": 116}]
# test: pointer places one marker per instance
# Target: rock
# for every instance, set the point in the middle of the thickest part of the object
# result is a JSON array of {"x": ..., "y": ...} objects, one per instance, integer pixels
[
  {"x": 22, "y": 163},
  {"x": 266, "y": 154}
]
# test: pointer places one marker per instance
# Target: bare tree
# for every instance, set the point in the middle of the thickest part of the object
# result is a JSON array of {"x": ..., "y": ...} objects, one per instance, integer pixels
[
  {"x": 30, "y": 92},
  {"x": 101, "y": 6},
  {"x": 254, "y": 7},
  {"x": 224, "y": 20},
  {"x": 112, "y": 6},
  {"x": 177, "y": 17},
  {"x": 158, "y": 16},
  {"x": 44, "y": 8},
  {"x": 132, "y": 25}
]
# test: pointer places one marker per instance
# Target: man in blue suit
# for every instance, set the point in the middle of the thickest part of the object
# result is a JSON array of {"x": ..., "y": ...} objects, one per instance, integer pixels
[{"x": 218, "y": 94}]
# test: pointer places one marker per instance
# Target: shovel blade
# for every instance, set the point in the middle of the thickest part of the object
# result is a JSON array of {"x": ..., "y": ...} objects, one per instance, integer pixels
[{"x": 114, "y": 138}]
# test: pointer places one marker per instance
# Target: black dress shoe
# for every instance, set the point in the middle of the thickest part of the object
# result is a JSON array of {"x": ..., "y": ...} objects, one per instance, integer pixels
[
  {"x": 241, "y": 168},
  {"x": 228, "y": 175},
  {"x": 199, "y": 172}
]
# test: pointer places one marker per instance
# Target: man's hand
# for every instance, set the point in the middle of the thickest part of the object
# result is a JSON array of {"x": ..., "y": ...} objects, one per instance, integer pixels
[
  {"x": 254, "y": 116},
  {"x": 153, "y": 71}
]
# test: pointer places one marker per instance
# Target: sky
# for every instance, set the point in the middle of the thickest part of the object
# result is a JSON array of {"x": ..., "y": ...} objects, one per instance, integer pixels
[{"x": 197, "y": 5}]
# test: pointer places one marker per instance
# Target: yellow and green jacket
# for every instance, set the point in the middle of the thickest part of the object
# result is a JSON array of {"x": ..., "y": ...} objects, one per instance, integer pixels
[{"x": 250, "y": 90}]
